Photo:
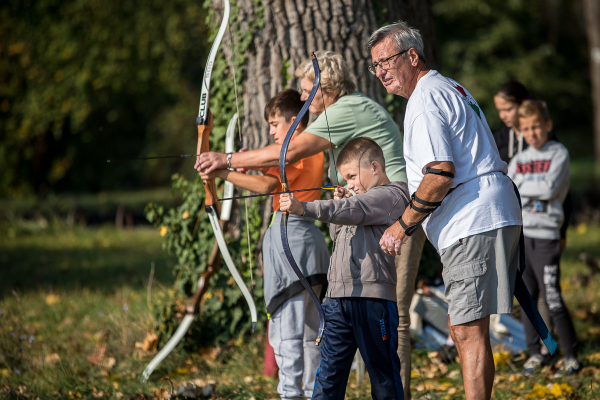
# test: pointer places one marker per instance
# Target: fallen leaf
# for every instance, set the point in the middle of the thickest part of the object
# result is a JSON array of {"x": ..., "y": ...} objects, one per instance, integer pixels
[
  {"x": 150, "y": 342},
  {"x": 98, "y": 357},
  {"x": 589, "y": 371},
  {"x": 52, "y": 358},
  {"x": 594, "y": 331},
  {"x": 561, "y": 390},
  {"x": 515, "y": 377},
  {"x": 538, "y": 392},
  {"x": 501, "y": 356},
  {"x": 161, "y": 394},
  {"x": 453, "y": 374},
  {"x": 52, "y": 299},
  {"x": 593, "y": 357}
]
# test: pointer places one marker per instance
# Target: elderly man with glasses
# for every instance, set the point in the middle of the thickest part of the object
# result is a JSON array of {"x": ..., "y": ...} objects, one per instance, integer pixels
[{"x": 460, "y": 195}]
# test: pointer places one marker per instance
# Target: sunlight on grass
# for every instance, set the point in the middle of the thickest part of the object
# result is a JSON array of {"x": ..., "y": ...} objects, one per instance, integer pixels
[{"x": 75, "y": 302}]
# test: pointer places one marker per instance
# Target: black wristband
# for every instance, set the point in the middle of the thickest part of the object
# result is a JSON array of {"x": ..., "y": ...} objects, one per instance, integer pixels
[{"x": 408, "y": 230}]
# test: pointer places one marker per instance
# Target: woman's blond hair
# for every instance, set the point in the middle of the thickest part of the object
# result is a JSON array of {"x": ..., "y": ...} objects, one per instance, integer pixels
[{"x": 335, "y": 79}]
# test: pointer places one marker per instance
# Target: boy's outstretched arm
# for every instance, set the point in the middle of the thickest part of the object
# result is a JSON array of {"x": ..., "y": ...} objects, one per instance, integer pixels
[
  {"x": 255, "y": 183},
  {"x": 288, "y": 202}
]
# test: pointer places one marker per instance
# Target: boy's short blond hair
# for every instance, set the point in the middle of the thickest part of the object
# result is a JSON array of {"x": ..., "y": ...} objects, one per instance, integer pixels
[
  {"x": 361, "y": 150},
  {"x": 530, "y": 108},
  {"x": 335, "y": 78}
]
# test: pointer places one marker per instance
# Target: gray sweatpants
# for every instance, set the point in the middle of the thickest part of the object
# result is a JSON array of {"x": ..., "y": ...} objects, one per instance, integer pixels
[{"x": 292, "y": 332}]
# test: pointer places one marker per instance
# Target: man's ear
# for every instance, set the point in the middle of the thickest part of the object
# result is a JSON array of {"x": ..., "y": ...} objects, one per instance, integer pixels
[
  {"x": 414, "y": 57},
  {"x": 549, "y": 125}
]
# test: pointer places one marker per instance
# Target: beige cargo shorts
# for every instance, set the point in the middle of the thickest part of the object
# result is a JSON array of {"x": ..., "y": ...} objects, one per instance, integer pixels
[{"x": 479, "y": 274}]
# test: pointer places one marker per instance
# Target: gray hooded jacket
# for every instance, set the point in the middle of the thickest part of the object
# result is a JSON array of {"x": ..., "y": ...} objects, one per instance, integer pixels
[
  {"x": 358, "y": 267},
  {"x": 542, "y": 177}
]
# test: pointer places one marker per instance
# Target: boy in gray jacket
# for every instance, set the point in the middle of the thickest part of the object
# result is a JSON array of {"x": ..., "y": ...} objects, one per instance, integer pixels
[
  {"x": 360, "y": 310},
  {"x": 541, "y": 172}
]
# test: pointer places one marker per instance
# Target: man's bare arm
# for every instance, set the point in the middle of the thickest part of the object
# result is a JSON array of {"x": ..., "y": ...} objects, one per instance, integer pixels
[
  {"x": 433, "y": 188},
  {"x": 305, "y": 145}
]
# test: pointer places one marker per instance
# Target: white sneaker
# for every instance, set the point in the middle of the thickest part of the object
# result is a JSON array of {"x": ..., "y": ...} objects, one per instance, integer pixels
[
  {"x": 570, "y": 366},
  {"x": 533, "y": 363}
]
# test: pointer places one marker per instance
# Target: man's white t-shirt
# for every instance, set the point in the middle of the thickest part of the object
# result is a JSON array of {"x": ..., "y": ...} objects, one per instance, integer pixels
[{"x": 443, "y": 122}]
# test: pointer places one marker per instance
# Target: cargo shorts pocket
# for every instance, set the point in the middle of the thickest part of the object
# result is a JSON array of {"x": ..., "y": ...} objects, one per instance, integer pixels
[{"x": 465, "y": 283}]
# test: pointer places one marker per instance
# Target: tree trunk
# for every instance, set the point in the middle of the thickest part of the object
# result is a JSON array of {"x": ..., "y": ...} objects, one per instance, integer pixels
[
  {"x": 290, "y": 29},
  {"x": 591, "y": 11},
  {"x": 284, "y": 32}
]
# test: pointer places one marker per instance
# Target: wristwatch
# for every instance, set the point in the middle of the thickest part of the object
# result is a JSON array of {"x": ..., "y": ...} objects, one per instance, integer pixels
[{"x": 229, "y": 161}]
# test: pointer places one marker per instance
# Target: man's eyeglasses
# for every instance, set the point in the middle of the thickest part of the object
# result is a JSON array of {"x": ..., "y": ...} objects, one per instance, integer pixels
[{"x": 384, "y": 64}]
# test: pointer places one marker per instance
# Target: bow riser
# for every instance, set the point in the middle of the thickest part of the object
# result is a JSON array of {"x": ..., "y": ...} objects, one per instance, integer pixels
[{"x": 210, "y": 186}]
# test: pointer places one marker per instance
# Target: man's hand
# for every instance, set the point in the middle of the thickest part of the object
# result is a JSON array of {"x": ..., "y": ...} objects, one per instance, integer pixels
[
  {"x": 210, "y": 161},
  {"x": 341, "y": 193},
  {"x": 393, "y": 238},
  {"x": 288, "y": 202}
]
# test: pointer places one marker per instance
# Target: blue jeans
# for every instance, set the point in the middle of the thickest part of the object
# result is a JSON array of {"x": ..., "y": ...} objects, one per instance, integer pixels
[{"x": 371, "y": 325}]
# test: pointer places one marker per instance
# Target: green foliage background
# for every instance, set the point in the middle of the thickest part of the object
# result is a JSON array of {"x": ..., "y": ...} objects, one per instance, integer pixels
[
  {"x": 86, "y": 80},
  {"x": 542, "y": 43},
  {"x": 82, "y": 81}
]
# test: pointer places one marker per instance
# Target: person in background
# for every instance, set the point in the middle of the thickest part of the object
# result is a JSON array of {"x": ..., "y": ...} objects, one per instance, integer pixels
[
  {"x": 293, "y": 317},
  {"x": 360, "y": 309},
  {"x": 510, "y": 142},
  {"x": 507, "y": 100},
  {"x": 344, "y": 114},
  {"x": 541, "y": 172}
]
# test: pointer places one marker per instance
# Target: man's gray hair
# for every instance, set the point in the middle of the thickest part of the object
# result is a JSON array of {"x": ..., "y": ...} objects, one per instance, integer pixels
[{"x": 405, "y": 37}]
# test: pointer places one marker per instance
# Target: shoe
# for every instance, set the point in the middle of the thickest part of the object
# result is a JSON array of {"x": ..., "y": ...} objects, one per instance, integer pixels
[
  {"x": 570, "y": 366},
  {"x": 533, "y": 363}
]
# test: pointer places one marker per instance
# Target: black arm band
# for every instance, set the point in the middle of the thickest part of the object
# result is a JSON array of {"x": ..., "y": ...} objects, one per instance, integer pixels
[
  {"x": 437, "y": 171},
  {"x": 425, "y": 202},
  {"x": 421, "y": 210},
  {"x": 409, "y": 230}
]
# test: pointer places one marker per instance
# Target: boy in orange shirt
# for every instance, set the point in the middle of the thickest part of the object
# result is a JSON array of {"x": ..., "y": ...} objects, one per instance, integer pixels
[{"x": 293, "y": 322}]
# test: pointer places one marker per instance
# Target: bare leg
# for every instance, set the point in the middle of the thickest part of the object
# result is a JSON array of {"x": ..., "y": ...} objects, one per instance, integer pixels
[{"x": 472, "y": 341}]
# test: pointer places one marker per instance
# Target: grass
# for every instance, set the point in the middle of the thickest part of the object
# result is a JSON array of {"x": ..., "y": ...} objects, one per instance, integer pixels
[{"x": 73, "y": 304}]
